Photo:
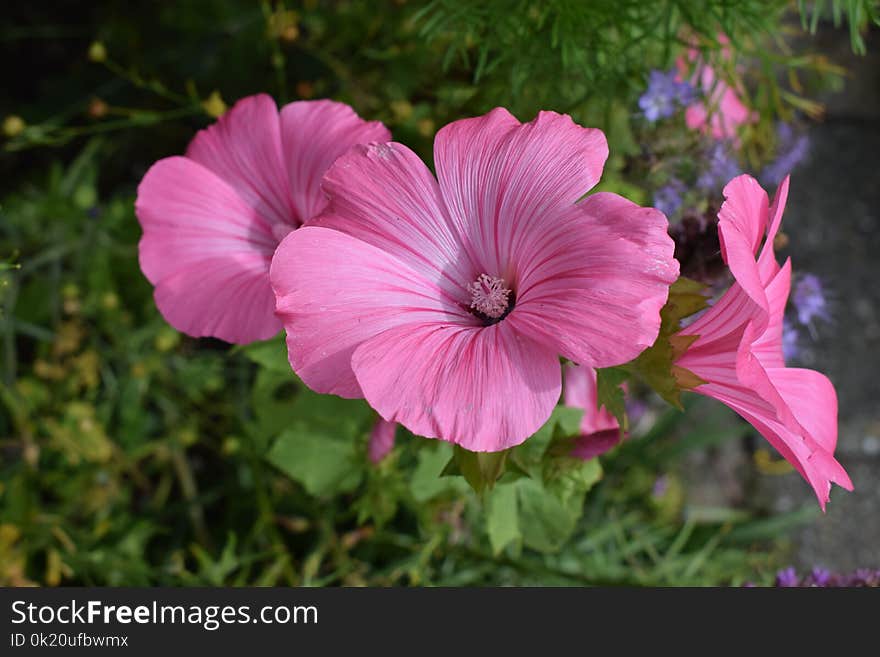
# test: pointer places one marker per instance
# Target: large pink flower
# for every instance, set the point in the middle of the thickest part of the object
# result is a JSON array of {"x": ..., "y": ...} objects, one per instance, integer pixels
[
  {"x": 739, "y": 349},
  {"x": 213, "y": 218},
  {"x": 600, "y": 430},
  {"x": 446, "y": 302},
  {"x": 720, "y": 111}
]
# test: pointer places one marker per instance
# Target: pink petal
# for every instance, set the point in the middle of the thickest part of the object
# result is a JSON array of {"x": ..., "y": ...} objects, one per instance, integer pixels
[
  {"x": 767, "y": 264},
  {"x": 742, "y": 222},
  {"x": 313, "y": 134},
  {"x": 207, "y": 252},
  {"x": 580, "y": 391},
  {"x": 335, "y": 291},
  {"x": 384, "y": 195},
  {"x": 502, "y": 180},
  {"x": 244, "y": 149},
  {"x": 591, "y": 445},
  {"x": 483, "y": 388},
  {"x": 593, "y": 282},
  {"x": 768, "y": 346},
  {"x": 381, "y": 440}
]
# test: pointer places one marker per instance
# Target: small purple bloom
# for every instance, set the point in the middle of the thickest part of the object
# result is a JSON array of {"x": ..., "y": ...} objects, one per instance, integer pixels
[
  {"x": 664, "y": 94},
  {"x": 661, "y": 485},
  {"x": 668, "y": 199},
  {"x": 787, "y": 578},
  {"x": 719, "y": 169},
  {"x": 865, "y": 577},
  {"x": 791, "y": 150},
  {"x": 809, "y": 299},
  {"x": 820, "y": 577},
  {"x": 790, "y": 339}
]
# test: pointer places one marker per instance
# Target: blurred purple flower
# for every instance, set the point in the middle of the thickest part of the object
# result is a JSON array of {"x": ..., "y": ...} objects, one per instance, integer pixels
[
  {"x": 809, "y": 299},
  {"x": 787, "y": 577},
  {"x": 661, "y": 485},
  {"x": 790, "y": 339},
  {"x": 720, "y": 167},
  {"x": 791, "y": 149},
  {"x": 664, "y": 94},
  {"x": 819, "y": 577},
  {"x": 668, "y": 199},
  {"x": 864, "y": 577}
]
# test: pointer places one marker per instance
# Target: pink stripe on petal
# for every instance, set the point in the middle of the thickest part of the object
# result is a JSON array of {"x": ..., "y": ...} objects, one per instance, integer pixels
[
  {"x": 314, "y": 133},
  {"x": 384, "y": 195},
  {"x": 485, "y": 389},
  {"x": 592, "y": 284},
  {"x": 334, "y": 291},
  {"x": 244, "y": 149},
  {"x": 503, "y": 180}
]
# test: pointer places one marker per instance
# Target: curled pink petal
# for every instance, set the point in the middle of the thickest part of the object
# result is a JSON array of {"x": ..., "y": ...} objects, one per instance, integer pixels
[{"x": 739, "y": 348}]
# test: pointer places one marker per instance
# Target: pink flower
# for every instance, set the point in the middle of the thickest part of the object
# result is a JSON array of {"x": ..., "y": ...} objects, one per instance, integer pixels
[
  {"x": 446, "y": 302},
  {"x": 720, "y": 111},
  {"x": 381, "y": 440},
  {"x": 739, "y": 349},
  {"x": 213, "y": 218},
  {"x": 600, "y": 430}
]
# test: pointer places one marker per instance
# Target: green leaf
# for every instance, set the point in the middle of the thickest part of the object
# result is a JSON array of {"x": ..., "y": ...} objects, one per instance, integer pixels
[
  {"x": 269, "y": 354},
  {"x": 502, "y": 521},
  {"x": 480, "y": 469},
  {"x": 528, "y": 457},
  {"x": 549, "y": 510},
  {"x": 656, "y": 365},
  {"x": 320, "y": 448},
  {"x": 427, "y": 481},
  {"x": 610, "y": 393},
  {"x": 322, "y": 463}
]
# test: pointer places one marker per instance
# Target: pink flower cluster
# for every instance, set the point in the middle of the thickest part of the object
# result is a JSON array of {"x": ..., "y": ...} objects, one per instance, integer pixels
[{"x": 446, "y": 302}]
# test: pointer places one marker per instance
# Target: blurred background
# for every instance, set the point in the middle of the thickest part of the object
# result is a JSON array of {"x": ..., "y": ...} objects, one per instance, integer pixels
[{"x": 133, "y": 455}]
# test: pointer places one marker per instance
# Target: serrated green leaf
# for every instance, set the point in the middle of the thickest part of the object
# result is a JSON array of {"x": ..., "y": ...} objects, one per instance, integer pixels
[
  {"x": 655, "y": 366},
  {"x": 550, "y": 509},
  {"x": 610, "y": 393}
]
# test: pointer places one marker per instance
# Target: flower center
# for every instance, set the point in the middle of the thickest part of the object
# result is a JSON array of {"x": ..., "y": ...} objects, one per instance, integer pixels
[
  {"x": 490, "y": 298},
  {"x": 280, "y": 231}
]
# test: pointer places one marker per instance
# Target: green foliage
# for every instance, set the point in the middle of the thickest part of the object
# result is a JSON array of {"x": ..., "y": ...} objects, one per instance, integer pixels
[
  {"x": 858, "y": 14},
  {"x": 133, "y": 455},
  {"x": 610, "y": 394}
]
